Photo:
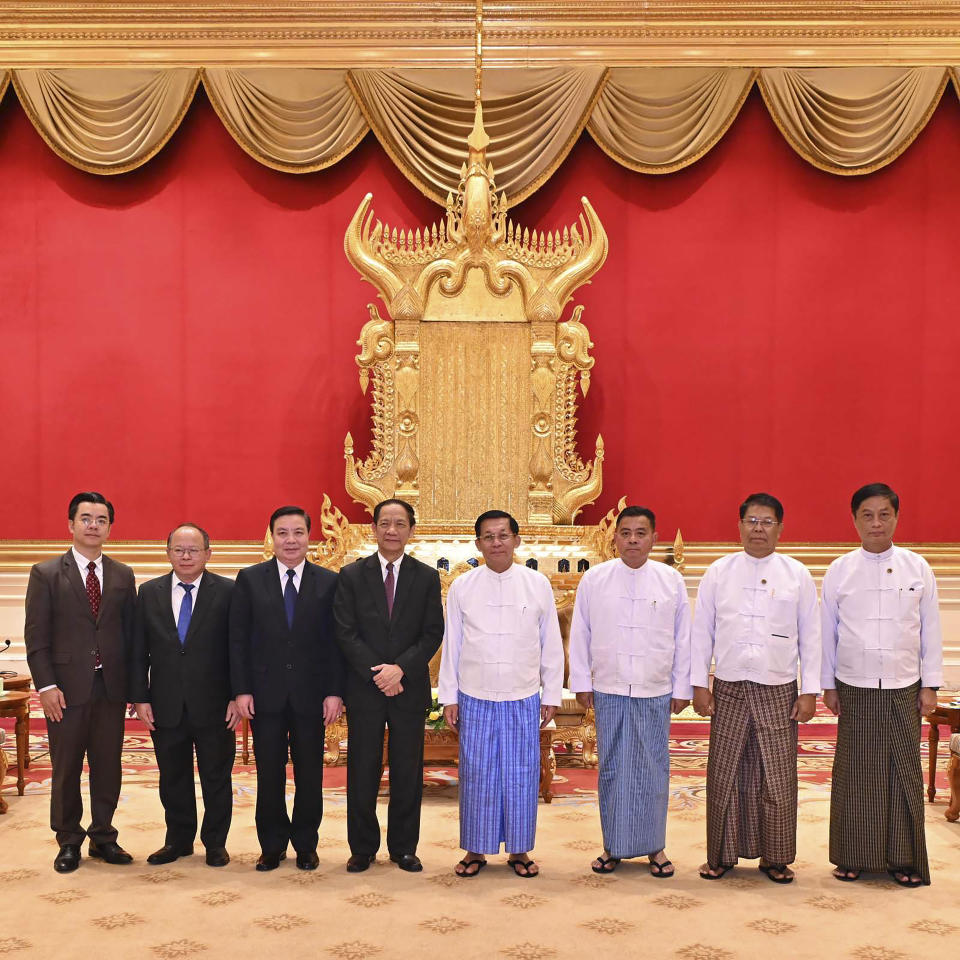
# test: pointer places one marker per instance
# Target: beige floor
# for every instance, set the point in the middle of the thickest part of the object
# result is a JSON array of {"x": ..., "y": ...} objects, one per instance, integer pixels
[{"x": 190, "y": 910}]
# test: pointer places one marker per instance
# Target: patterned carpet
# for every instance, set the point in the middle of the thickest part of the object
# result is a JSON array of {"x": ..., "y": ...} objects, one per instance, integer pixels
[{"x": 188, "y": 910}]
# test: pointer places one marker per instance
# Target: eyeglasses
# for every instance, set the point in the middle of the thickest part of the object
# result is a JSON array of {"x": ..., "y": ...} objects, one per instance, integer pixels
[
  {"x": 186, "y": 551},
  {"x": 490, "y": 538},
  {"x": 765, "y": 522},
  {"x": 94, "y": 522}
]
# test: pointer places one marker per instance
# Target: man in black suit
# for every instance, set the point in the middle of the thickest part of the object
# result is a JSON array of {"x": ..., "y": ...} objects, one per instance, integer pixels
[
  {"x": 389, "y": 624},
  {"x": 79, "y": 621},
  {"x": 287, "y": 674},
  {"x": 179, "y": 674}
]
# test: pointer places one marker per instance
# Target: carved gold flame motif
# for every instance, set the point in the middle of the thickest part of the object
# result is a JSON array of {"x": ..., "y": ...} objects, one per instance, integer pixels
[{"x": 474, "y": 374}]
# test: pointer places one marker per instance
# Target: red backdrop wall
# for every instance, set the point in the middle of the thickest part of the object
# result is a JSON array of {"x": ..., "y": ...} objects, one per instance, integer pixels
[{"x": 182, "y": 337}]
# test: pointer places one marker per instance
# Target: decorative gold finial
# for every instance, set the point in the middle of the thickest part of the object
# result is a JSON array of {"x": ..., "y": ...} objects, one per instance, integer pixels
[
  {"x": 478, "y": 55},
  {"x": 478, "y": 141}
]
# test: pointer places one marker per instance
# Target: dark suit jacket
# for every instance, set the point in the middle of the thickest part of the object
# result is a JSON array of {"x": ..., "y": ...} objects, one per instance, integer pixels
[
  {"x": 196, "y": 675},
  {"x": 62, "y": 636},
  {"x": 368, "y": 636},
  {"x": 273, "y": 661}
]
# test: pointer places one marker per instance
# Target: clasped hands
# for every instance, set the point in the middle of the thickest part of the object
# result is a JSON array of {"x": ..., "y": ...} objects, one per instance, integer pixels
[{"x": 387, "y": 677}]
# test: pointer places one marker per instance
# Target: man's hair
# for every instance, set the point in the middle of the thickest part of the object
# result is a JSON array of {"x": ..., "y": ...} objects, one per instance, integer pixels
[
  {"x": 496, "y": 515},
  {"x": 874, "y": 490},
  {"x": 288, "y": 511},
  {"x": 394, "y": 502},
  {"x": 762, "y": 500},
  {"x": 91, "y": 496},
  {"x": 633, "y": 511},
  {"x": 193, "y": 526}
]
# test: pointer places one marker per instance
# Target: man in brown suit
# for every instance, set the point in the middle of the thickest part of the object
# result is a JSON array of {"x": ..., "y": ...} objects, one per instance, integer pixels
[{"x": 79, "y": 622}]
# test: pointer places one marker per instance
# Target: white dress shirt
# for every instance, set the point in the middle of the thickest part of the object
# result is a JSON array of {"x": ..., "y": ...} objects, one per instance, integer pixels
[
  {"x": 630, "y": 633},
  {"x": 502, "y": 638},
  {"x": 83, "y": 563},
  {"x": 297, "y": 575},
  {"x": 756, "y": 618},
  {"x": 396, "y": 566},
  {"x": 881, "y": 621},
  {"x": 177, "y": 593}
]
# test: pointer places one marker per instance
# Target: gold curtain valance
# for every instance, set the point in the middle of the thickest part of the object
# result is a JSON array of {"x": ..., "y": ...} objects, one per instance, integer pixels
[
  {"x": 106, "y": 121},
  {"x": 657, "y": 120},
  {"x": 295, "y": 120},
  {"x": 846, "y": 120},
  {"x": 422, "y": 118},
  {"x": 851, "y": 120}
]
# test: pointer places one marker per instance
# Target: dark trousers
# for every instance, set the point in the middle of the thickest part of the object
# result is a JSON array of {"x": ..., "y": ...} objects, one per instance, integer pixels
[
  {"x": 94, "y": 728},
  {"x": 216, "y": 748},
  {"x": 366, "y": 721},
  {"x": 273, "y": 733}
]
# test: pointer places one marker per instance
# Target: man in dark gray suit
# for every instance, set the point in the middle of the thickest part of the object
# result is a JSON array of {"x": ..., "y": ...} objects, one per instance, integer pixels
[
  {"x": 287, "y": 674},
  {"x": 179, "y": 672},
  {"x": 389, "y": 624},
  {"x": 79, "y": 622}
]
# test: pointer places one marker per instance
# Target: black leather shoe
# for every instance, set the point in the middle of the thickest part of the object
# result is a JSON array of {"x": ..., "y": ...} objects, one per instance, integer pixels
[
  {"x": 270, "y": 861},
  {"x": 359, "y": 862},
  {"x": 168, "y": 853},
  {"x": 308, "y": 860},
  {"x": 408, "y": 861},
  {"x": 217, "y": 857},
  {"x": 68, "y": 859},
  {"x": 109, "y": 851}
]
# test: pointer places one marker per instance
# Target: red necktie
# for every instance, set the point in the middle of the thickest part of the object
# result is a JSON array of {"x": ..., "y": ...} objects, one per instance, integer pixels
[
  {"x": 388, "y": 585},
  {"x": 93, "y": 595}
]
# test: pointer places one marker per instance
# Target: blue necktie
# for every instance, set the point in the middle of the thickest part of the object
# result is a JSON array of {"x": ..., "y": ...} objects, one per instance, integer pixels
[
  {"x": 186, "y": 609},
  {"x": 290, "y": 596}
]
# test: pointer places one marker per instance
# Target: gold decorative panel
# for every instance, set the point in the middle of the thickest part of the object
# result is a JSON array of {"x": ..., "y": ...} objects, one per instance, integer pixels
[{"x": 474, "y": 448}]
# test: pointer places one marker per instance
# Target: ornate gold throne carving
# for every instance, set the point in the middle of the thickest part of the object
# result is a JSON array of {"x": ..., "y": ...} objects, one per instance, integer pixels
[{"x": 473, "y": 374}]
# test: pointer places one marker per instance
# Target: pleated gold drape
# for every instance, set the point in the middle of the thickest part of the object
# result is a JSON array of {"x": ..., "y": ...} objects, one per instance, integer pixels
[
  {"x": 423, "y": 118},
  {"x": 659, "y": 119},
  {"x": 846, "y": 120},
  {"x": 106, "y": 121},
  {"x": 295, "y": 120},
  {"x": 851, "y": 119}
]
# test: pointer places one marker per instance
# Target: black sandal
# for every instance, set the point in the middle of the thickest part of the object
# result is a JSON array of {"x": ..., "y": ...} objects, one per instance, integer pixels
[
  {"x": 771, "y": 868},
  {"x": 724, "y": 870},
  {"x": 467, "y": 864},
  {"x": 605, "y": 864},
  {"x": 904, "y": 879},
  {"x": 658, "y": 869},
  {"x": 526, "y": 864},
  {"x": 842, "y": 876}
]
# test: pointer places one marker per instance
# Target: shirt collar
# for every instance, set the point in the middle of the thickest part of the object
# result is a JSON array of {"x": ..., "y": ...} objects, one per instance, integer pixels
[
  {"x": 500, "y": 576},
  {"x": 298, "y": 569},
  {"x": 878, "y": 557},
  {"x": 633, "y": 571},
  {"x": 83, "y": 562},
  {"x": 384, "y": 561}
]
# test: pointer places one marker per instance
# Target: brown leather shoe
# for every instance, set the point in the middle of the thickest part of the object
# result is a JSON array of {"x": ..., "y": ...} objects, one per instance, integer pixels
[
  {"x": 109, "y": 851},
  {"x": 217, "y": 857},
  {"x": 359, "y": 862},
  {"x": 270, "y": 861}
]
